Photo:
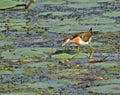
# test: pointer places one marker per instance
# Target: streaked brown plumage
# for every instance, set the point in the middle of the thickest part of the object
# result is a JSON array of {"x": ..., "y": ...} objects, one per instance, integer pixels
[{"x": 85, "y": 36}]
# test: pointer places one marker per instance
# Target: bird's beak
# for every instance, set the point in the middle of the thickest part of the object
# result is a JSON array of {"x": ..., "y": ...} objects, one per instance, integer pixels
[{"x": 64, "y": 44}]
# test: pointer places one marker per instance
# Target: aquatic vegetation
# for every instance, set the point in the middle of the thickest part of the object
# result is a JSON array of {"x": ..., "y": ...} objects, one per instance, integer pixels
[
  {"x": 107, "y": 86},
  {"x": 111, "y": 14},
  {"x": 83, "y": 5},
  {"x": 4, "y": 4},
  {"x": 22, "y": 53},
  {"x": 103, "y": 64},
  {"x": 65, "y": 56},
  {"x": 13, "y": 71},
  {"x": 5, "y": 43},
  {"x": 87, "y": 1},
  {"x": 33, "y": 61},
  {"x": 45, "y": 85},
  {"x": 18, "y": 93}
]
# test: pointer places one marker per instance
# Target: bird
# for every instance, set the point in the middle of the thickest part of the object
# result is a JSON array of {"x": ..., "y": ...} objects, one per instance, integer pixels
[{"x": 82, "y": 38}]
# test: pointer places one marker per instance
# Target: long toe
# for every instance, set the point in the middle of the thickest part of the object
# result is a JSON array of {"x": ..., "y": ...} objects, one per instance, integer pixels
[{"x": 91, "y": 60}]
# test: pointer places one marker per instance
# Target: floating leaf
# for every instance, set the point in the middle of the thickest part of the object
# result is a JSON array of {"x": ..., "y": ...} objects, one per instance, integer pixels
[
  {"x": 21, "y": 53},
  {"x": 83, "y": 5},
  {"x": 17, "y": 20},
  {"x": 103, "y": 64},
  {"x": 4, "y": 4},
  {"x": 18, "y": 93},
  {"x": 112, "y": 88},
  {"x": 89, "y": 1},
  {"x": 52, "y": 2},
  {"x": 110, "y": 81},
  {"x": 112, "y": 14},
  {"x": 3, "y": 43},
  {"x": 56, "y": 13},
  {"x": 98, "y": 20},
  {"x": 14, "y": 71},
  {"x": 2, "y": 28},
  {"x": 65, "y": 56},
  {"x": 69, "y": 72},
  {"x": 44, "y": 85},
  {"x": 41, "y": 64}
]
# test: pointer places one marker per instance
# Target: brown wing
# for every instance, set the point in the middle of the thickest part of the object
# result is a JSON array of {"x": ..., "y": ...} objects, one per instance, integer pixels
[{"x": 85, "y": 36}]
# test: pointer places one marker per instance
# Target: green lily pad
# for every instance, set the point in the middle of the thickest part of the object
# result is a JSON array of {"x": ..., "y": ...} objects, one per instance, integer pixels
[
  {"x": 66, "y": 56},
  {"x": 66, "y": 26},
  {"x": 56, "y": 13},
  {"x": 98, "y": 20},
  {"x": 14, "y": 71},
  {"x": 2, "y": 28},
  {"x": 43, "y": 22},
  {"x": 41, "y": 64},
  {"x": 107, "y": 28},
  {"x": 96, "y": 44},
  {"x": 4, "y": 4},
  {"x": 107, "y": 86},
  {"x": 71, "y": 26},
  {"x": 69, "y": 72},
  {"x": 21, "y": 53},
  {"x": 110, "y": 81},
  {"x": 65, "y": 82},
  {"x": 89, "y": 1},
  {"x": 3, "y": 43},
  {"x": 2, "y": 37},
  {"x": 101, "y": 28},
  {"x": 45, "y": 85},
  {"x": 19, "y": 27},
  {"x": 112, "y": 14},
  {"x": 60, "y": 29},
  {"x": 117, "y": 25},
  {"x": 16, "y": 24},
  {"x": 83, "y": 5},
  {"x": 18, "y": 93},
  {"x": 62, "y": 56},
  {"x": 49, "y": 2},
  {"x": 93, "y": 44},
  {"x": 103, "y": 64},
  {"x": 17, "y": 20},
  {"x": 52, "y": 2},
  {"x": 112, "y": 88}
]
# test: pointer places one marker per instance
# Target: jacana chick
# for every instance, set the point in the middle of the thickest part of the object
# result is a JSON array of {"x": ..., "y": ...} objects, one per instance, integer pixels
[{"x": 82, "y": 38}]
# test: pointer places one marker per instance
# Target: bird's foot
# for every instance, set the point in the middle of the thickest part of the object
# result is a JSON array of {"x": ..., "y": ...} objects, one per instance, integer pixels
[
  {"x": 91, "y": 60},
  {"x": 65, "y": 61},
  {"x": 94, "y": 60}
]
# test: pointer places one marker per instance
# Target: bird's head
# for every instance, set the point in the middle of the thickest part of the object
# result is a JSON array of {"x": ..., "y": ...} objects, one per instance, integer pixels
[
  {"x": 90, "y": 29},
  {"x": 65, "y": 41}
]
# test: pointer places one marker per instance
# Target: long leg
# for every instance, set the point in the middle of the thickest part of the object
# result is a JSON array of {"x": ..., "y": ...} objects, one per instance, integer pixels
[
  {"x": 78, "y": 51},
  {"x": 92, "y": 51}
]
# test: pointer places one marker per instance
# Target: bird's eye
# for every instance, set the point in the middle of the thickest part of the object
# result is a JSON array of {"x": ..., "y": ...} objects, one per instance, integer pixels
[{"x": 65, "y": 39}]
